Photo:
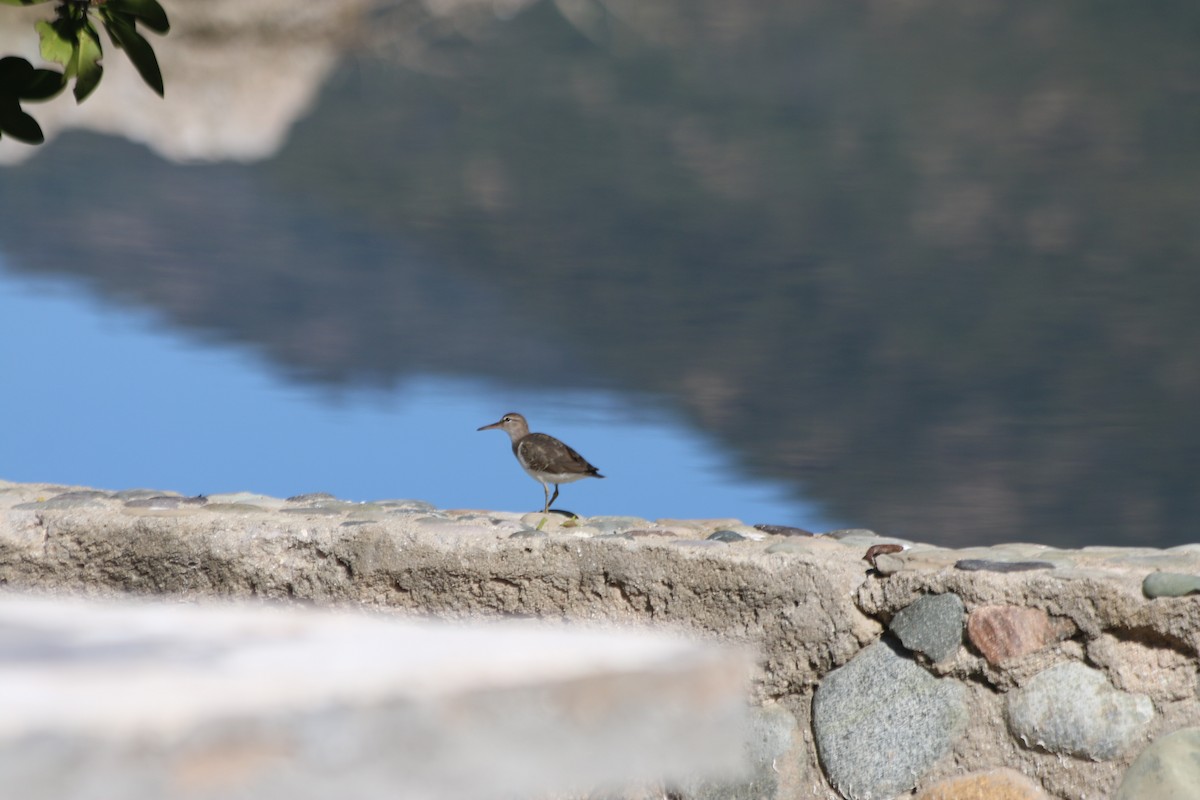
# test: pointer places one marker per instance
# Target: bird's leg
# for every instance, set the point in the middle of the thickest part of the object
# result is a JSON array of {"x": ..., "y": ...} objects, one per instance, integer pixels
[
  {"x": 552, "y": 499},
  {"x": 546, "y": 490}
]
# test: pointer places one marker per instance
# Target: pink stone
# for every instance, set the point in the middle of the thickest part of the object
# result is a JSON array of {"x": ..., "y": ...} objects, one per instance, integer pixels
[
  {"x": 1003, "y": 633},
  {"x": 995, "y": 784}
]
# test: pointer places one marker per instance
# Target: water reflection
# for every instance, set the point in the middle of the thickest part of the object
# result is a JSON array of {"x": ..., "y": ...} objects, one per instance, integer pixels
[
  {"x": 112, "y": 400},
  {"x": 934, "y": 264}
]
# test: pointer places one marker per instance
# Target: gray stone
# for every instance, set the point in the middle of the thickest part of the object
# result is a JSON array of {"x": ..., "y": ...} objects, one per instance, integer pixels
[
  {"x": 1071, "y": 708},
  {"x": 1170, "y": 584},
  {"x": 235, "y": 508},
  {"x": 991, "y": 565},
  {"x": 851, "y": 533},
  {"x": 1169, "y": 769},
  {"x": 84, "y": 498},
  {"x": 530, "y": 534},
  {"x": 165, "y": 502},
  {"x": 881, "y": 721},
  {"x": 141, "y": 494},
  {"x": 311, "y": 497},
  {"x": 932, "y": 625},
  {"x": 783, "y": 530},
  {"x": 161, "y": 502},
  {"x": 725, "y": 536}
]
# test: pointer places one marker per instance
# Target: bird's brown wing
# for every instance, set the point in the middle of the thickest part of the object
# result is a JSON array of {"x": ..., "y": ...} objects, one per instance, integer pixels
[{"x": 543, "y": 453}]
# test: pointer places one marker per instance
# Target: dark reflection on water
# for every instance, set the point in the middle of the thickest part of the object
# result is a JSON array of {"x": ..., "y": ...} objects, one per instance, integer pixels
[{"x": 937, "y": 263}]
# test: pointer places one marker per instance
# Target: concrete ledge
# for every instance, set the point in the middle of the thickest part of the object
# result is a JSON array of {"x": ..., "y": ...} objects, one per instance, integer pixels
[
  {"x": 857, "y": 663},
  {"x": 149, "y": 701}
]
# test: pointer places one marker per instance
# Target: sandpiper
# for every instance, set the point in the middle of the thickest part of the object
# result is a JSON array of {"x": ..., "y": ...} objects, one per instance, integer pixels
[{"x": 546, "y": 459}]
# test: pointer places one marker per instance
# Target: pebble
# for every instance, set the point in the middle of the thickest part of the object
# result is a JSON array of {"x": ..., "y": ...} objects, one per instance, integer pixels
[
  {"x": 1073, "y": 709},
  {"x": 235, "y": 508},
  {"x": 1004, "y": 633},
  {"x": 1170, "y": 584},
  {"x": 164, "y": 502},
  {"x": 1168, "y": 769},
  {"x": 992, "y": 784},
  {"x": 262, "y": 501},
  {"x": 530, "y": 534},
  {"x": 311, "y": 497},
  {"x": 725, "y": 536},
  {"x": 987, "y": 565},
  {"x": 931, "y": 625},
  {"x": 140, "y": 494},
  {"x": 546, "y": 522},
  {"x": 641, "y": 533},
  {"x": 846, "y": 533},
  {"x": 881, "y": 701},
  {"x": 68, "y": 500},
  {"x": 783, "y": 530}
]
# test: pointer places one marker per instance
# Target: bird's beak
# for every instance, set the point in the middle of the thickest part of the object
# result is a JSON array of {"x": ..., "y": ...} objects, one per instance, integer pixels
[{"x": 489, "y": 427}]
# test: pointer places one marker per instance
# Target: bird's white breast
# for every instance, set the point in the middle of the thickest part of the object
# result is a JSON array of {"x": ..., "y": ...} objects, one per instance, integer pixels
[{"x": 553, "y": 477}]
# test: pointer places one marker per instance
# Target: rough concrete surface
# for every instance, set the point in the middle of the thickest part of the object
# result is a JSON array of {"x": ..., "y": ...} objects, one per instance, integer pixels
[{"x": 807, "y": 604}]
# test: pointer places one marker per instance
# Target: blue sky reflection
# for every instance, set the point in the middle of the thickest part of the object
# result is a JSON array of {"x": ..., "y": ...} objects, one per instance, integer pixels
[{"x": 109, "y": 397}]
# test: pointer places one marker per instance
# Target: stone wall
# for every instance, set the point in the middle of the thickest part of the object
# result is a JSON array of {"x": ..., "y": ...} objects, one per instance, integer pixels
[{"x": 1012, "y": 671}]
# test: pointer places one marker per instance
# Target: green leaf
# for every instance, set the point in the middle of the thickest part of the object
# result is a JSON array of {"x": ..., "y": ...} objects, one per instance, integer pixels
[
  {"x": 16, "y": 123},
  {"x": 87, "y": 67},
  {"x": 149, "y": 12},
  {"x": 21, "y": 2},
  {"x": 42, "y": 85},
  {"x": 58, "y": 41},
  {"x": 138, "y": 50}
]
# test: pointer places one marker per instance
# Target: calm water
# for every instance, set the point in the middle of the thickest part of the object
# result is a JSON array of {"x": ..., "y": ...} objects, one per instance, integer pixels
[
  {"x": 109, "y": 398},
  {"x": 922, "y": 268}
]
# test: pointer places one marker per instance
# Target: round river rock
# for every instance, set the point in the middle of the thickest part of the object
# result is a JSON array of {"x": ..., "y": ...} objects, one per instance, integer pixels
[{"x": 881, "y": 721}]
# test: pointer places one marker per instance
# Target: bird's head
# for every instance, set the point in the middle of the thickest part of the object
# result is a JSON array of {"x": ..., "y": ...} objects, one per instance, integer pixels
[{"x": 511, "y": 423}]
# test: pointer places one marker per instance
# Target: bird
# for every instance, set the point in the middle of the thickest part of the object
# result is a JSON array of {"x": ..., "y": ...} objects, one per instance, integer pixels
[{"x": 544, "y": 458}]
